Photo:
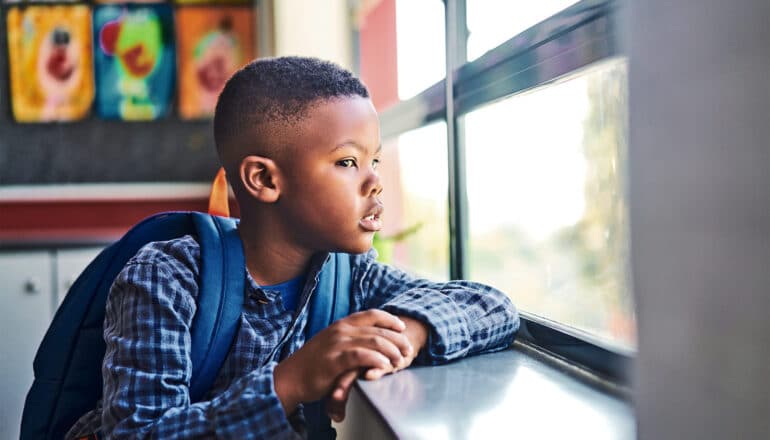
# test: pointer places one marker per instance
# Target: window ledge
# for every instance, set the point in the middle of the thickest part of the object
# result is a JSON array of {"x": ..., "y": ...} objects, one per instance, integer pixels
[{"x": 485, "y": 397}]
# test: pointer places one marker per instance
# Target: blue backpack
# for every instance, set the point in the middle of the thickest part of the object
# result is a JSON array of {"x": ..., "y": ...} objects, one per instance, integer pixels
[{"x": 67, "y": 367}]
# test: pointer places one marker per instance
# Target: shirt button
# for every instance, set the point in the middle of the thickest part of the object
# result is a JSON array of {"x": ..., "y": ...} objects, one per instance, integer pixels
[{"x": 254, "y": 296}]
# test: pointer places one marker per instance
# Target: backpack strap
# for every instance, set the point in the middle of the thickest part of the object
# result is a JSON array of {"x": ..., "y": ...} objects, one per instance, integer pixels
[
  {"x": 330, "y": 302},
  {"x": 220, "y": 299}
]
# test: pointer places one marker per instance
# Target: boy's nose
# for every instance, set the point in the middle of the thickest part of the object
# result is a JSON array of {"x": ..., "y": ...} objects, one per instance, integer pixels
[{"x": 373, "y": 185}]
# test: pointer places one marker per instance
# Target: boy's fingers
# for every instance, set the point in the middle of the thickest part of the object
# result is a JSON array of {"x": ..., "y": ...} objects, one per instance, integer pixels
[
  {"x": 395, "y": 346},
  {"x": 383, "y": 345},
  {"x": 398, "y": 339},
  {"x": 334, "y": 410},
  {"x": 343, "y": 386},
  {"x": 335, "y": 404},
  {"x": 376, "y": 318},
  {"x": 375, "y": 373},
  {"x": 360, "y": 357}
]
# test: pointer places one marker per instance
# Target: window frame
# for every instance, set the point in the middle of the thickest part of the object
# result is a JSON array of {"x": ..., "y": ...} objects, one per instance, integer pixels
[{"x": 578, "y": 36}]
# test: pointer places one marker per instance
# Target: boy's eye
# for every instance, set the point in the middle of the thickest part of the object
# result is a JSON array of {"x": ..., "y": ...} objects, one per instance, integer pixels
[
  {"x": 347, "y": 163},
  {"x": 375, "y": 163}
]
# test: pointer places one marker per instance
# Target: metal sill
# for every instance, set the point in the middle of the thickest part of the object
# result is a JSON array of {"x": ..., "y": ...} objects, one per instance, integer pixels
[{"x": 505, "y": 394}]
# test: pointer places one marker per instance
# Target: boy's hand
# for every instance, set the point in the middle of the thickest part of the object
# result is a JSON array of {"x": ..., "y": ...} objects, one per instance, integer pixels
[
  {"x": 417, "y": 334},
  {"x": 363, "y": 340}
]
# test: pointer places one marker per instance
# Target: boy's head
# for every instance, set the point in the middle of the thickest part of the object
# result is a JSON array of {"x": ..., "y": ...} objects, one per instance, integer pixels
[{"x": 300, "y": 141}]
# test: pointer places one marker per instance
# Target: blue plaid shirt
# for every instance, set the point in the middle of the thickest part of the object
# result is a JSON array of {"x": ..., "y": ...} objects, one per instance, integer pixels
[{"x": 147, "y": 365}]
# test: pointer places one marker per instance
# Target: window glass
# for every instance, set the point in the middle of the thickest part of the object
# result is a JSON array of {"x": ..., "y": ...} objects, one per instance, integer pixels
[
  {"x": 415, "y": 235},
  {"x": 420, "y": 47},
  {"x": 547, "y": 201},
  {"x": 491, "y": 22}
]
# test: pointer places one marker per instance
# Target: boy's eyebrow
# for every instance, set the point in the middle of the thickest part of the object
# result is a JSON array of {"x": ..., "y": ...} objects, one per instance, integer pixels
[{"x": 355, "y": 145}]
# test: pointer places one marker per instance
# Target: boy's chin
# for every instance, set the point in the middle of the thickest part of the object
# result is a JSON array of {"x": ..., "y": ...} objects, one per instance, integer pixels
[{"x": 356, "y": 248}]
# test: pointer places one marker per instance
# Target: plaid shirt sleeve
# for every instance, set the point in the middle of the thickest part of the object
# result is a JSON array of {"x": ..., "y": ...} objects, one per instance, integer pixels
[
  {"x": 147, "y": 365},
  {"x": 463, "y": 317}
]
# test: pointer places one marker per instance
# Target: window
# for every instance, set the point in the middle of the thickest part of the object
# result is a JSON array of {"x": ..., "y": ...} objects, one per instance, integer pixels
[
  {"x": 492, "y": 22},
  {"x": 415, "y": 236},
  {"x": 547, "y": 201},
  {"x": 537, "y": 150}
]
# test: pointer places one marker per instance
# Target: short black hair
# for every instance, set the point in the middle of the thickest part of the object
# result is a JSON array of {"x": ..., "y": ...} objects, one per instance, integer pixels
[{"x": 274, "y": 91}]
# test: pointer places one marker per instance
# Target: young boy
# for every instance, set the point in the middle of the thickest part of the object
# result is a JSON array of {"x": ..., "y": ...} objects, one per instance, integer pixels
[{"x": 300, "y": 141}]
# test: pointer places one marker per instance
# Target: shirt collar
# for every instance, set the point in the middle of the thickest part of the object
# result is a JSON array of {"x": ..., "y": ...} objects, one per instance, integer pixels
[{"x": 317, "y": 262}]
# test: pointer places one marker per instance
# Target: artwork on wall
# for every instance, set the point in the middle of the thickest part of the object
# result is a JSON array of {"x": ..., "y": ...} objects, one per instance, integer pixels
[
  {"x": 51, "y": 74},
  {"x": 128, "y": 1},
  {"x": 134, "y": 61},
  {"x": 213, "y": 42},
  {"x": 38, "y": 1},
  {"x": 216, "y": 2}
]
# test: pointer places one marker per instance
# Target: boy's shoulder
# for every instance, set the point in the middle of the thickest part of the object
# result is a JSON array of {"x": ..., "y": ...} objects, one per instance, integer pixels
[{"x": 177, "y": 256}]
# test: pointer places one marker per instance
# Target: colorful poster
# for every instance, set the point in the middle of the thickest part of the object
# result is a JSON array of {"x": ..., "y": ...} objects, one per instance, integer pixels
[
  {"x": 49, "y": 51},
  {"x": 213, "y": 42},
  {"x": 128, "y": 1},
  {"x": 134, "y": 61},
  {"x": 38, "y": 1},
  {"x": 212, "y": 2}
]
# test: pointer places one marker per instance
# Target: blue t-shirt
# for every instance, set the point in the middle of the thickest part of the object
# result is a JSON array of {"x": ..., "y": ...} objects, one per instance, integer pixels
[{"x": 289, "y": 290}]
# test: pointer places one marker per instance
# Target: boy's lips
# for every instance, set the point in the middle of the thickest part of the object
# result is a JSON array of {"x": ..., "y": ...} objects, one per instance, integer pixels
[{"x": 371, "y": 221}]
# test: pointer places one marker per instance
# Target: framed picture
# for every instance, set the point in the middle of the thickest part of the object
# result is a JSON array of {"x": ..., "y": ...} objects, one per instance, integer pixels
[
  {"x": 51, "y": 66},
  {"x": 134, "y": 60},
  {"x": 213, "y": 42},
  {"x": 107, "y": 2},
  {"x": 37, "y": 1},
  {"x": 215, "y": 2}
]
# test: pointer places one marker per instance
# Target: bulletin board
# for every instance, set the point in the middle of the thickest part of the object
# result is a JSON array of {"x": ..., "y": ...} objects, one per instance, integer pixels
[{"x": 169, "y": 147}]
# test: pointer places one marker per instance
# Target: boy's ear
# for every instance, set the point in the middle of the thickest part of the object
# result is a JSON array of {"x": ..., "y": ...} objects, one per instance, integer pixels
[{"x": 261, "y": 178}]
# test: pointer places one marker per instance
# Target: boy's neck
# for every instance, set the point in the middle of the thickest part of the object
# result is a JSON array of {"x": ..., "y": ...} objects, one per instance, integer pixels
[{"x": 270, "y": 259}]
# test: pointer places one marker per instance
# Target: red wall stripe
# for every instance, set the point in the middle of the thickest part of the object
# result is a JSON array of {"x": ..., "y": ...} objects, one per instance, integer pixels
[{"x": 79, "y": 221}]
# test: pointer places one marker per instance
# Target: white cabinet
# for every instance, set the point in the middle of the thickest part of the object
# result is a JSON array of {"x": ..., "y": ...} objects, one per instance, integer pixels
[
  {"x": 32, "y": 283},
  {"x": 25, "y": 307},
  {"x": 69, "y": 264}
]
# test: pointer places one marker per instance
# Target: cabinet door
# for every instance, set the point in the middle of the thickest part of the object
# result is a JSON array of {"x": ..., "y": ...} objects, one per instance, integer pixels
[
  {"x": 69, "y": 264},
  {"x": 25, "y": 311}
]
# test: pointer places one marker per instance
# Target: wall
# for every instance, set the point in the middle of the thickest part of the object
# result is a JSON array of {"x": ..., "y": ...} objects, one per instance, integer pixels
[
  {"x": 314, "y": 28},
  {"x": 378, "y": 57}
]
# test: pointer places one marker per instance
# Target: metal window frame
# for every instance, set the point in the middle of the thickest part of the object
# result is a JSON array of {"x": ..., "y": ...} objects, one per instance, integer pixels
[
  {"x": 576, "y": 37},
  {"x": 580, "y": 35}
]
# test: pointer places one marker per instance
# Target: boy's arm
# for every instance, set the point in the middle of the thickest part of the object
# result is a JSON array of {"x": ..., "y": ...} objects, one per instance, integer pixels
[
  {"x": 461, "y": 317},
  {"x": 147, "y": 367}
]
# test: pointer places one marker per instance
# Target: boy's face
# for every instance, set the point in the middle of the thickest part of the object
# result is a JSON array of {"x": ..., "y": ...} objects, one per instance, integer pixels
[{"x": 330, "y": 198}]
